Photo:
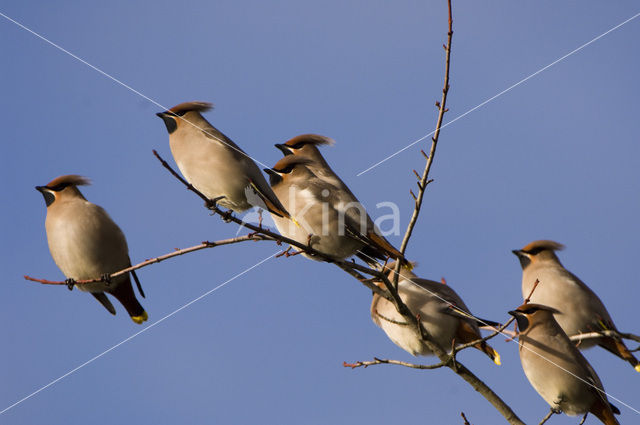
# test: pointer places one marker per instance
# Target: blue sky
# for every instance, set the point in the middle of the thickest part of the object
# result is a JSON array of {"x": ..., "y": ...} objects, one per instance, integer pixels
[{"x": 556, "y": 157}]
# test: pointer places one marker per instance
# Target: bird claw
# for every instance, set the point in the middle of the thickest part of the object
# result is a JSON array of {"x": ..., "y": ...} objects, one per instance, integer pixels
[
  {"x": 211, "y": 204},
  {"x": 70, "y": 283},
  {"x": 226, "y": 216},
  {"x": 106, "y": 278}
]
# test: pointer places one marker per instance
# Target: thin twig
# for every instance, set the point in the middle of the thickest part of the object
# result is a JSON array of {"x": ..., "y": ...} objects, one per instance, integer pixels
[
  {"x": 535, "y": 285},
  {"x": 546, "y": 418},
  {"x": 423, "y": 182},
  {"x": 377, "y": 361},
  {"x": 203, "y": 245},
  {"x": 600, "y": 334},
  {"x": 466, "y": 422}
]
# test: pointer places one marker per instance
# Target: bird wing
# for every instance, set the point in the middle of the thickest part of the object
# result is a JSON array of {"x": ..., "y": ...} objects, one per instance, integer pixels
[{"x": 100, "y": 296}]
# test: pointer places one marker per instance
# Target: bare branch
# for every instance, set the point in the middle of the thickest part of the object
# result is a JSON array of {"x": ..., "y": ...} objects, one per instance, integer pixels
[
  {"x": 377, "y": 361},
  {"x": 203, "y": 245},
  {"x": 546, "y": 418},
  {"x": 466, "y": 422},
  {"x": 535, "y": 285},
  {"x": 422, "y": 185},
  {"x": 600, "y": 334}
]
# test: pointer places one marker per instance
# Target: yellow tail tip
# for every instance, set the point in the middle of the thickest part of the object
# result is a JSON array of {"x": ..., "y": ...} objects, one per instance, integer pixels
[
  {"x": 139, "y": 319},
  {"x": 637, "y": 367},
  {"x": 496, "y": 358},
  {"x": 295, "y": 221}
]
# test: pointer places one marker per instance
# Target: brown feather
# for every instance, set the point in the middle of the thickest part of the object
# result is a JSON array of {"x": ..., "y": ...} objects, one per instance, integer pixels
[
  {"x": 313, "y": 139},
  {"x": 602, "y": 410},
  {"x": 70, "y": 179},
  {"x": 617, "y": 347},
  {"x": 191, "y": 106},
  {"x": 290, "y": 160},
  {"x": 544, "y": 244}
]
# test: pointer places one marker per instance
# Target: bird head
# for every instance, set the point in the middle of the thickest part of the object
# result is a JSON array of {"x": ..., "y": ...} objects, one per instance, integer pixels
[
  {"x": 305, "y": 145},
  {"x": 288, "y": 168},
  {"x": 530, "y": 313},
  {"x": 538, "y": 251},
  {"x": 187, "y": 111},
  {"x": 63, "y": 187}
]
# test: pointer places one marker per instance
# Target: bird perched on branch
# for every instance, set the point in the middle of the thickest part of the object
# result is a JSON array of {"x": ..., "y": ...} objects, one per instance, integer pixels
[
  {"x": 306, "y": 146},
  {"x": 319, "y": 219},
  {"x": 443, "y": 314},
  {"x": 214, "y": 164},
  {"x": 555, "y": 367},
  {"x": 580, "y": 309},
  {"x": 85, "y": 244}
]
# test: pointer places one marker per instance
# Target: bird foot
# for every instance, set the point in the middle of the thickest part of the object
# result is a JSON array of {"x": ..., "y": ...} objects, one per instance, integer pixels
[
  {"x": 226, "y": 216},
  {"x": 212, "y": 204},
  {"x": 106, "y": 278},
  {"x": 70, "y": 283}
]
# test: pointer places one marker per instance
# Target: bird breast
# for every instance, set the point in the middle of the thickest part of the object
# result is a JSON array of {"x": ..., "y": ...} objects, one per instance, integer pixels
[{"x": 85, "y": 243}]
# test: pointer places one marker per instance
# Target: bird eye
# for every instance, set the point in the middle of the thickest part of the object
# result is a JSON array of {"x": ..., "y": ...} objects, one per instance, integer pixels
[
  {"x": 534, "y": 251},
  {"x": 298, "y": 145},
  {"x": 180, "y": 113}
]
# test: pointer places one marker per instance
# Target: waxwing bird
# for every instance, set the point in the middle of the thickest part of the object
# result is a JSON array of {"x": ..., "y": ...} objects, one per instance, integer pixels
[
  {"x": 316, "y": 221},
  {"x": 580, "y": 309},
  {"x": 442, "y": 312},
  {"x": 306, "y": 146},
  {"x": 214, "y": 164},
  {"x": 86, "y": 244},
  {"x": 555, "y": 367}
]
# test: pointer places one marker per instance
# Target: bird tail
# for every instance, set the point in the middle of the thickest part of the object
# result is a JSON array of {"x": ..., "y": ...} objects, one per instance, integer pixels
[
  {"x": 124, "y": 293},
  {"x": 102, "y": 298},
  {"x": 602, "y": 409},
  {"x": 271, "y": 201},
  {"x": 489, "y": 351},
  {"x": 377, "y": 246},
  {"x": 617, "y": 347}
]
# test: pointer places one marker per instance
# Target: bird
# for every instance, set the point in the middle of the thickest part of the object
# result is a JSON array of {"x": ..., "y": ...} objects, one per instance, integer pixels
[
  {"x": 85, "y": 243},
  {"x": 214, "y": 164},
  {"x": 306, "y": 146},
  {"x": 318, "y": 219},
  {"x": 555, "y": 367},
  {"x": 443, "y": 314},
  {"x": 580, "y": 309}
]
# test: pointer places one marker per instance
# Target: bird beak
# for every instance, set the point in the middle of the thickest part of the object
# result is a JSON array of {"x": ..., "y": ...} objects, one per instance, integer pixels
[
  {"x": 169, "y": 121},
  {"x": 284, "y": 148},
  {"x": 513, "y": 313},
  {"x": 517, "y": 253},
  {"x": 48, "y": 196}
]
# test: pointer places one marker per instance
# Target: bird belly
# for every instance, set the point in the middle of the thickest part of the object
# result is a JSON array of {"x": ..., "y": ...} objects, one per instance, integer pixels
[
  {"x": 215, "y": 173},
  {"x": 75, "y": 244},
  {"x": 321, "y": 222},
  {"x": 559, "y": 292},
  {"x": 560, "y": 389}
]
